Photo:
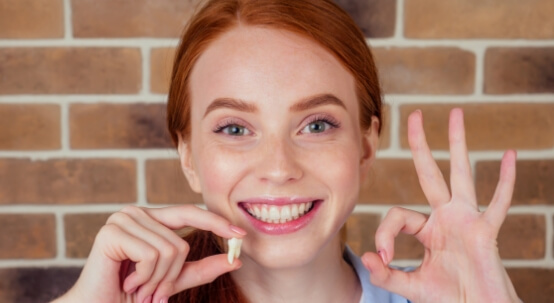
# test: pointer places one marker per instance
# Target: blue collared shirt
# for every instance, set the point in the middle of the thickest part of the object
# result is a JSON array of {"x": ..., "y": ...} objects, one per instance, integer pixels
[{"x": 370, "y": 292}]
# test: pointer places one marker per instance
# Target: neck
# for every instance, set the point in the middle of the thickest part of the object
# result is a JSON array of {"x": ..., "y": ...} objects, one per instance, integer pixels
[{"x": 326, "y": 278}]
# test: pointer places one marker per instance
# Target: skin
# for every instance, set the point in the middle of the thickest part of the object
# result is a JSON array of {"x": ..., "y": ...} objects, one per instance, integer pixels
[{"x": 277, "y": 154}]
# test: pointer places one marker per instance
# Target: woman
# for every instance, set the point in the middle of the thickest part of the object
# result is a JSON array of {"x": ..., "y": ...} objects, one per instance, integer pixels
[{"x": 275, "y": 109}]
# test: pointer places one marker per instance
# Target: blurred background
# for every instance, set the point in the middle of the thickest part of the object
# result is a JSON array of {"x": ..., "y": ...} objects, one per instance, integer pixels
[{"x": 82, "y": 124}]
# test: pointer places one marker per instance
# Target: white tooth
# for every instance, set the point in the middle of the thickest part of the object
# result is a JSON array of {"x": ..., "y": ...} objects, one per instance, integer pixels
[
  {"x": 309, "y": 206},
  {"x": 237, "y": 250},
  {"x": 301, "y": 208},
  {"x": 274, "y": 213},
  {"x": 265, "y": 214},
  {"x": 294, "y": 211},
  {"x": 234, "y": 249},
  {"x": 257, "y": 211},
  {"x": 285, "y": 214}
]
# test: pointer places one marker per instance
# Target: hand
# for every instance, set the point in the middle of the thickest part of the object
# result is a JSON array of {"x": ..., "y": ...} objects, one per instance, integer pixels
[
  {"x": 137, "y": 257},
  {"x": 461, "y": 262}
]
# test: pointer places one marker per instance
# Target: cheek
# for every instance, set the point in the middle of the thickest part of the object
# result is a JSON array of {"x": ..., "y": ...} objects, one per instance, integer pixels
[{"x": 219, "y": 171}]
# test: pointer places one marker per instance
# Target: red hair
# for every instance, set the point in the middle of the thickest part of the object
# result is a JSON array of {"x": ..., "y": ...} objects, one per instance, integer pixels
[{"x": 319, "y": 20}]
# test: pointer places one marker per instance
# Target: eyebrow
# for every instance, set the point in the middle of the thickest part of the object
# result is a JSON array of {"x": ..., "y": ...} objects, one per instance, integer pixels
[
  {"x": 232, "y": 104},
  {"x": 304, "y": 104},
  {"x": 315, "y": 101}
]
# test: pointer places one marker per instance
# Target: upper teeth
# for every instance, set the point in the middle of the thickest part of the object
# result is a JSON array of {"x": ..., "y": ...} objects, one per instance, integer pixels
[{"x": 278, "y": 214}]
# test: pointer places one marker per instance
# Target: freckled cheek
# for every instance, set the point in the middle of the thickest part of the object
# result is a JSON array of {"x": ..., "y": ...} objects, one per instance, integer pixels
[
  {"x": 341, "y": 173},
  {"x": 219, "y": 173}
]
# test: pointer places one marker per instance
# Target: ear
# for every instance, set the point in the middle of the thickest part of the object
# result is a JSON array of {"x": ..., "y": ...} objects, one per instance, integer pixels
[
  {"x": 187, "y": 165},
  {"x": 370, "y": 143}
]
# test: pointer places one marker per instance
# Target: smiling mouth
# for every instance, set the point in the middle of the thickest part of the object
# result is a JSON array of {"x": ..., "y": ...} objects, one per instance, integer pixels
[{"x": 277, "y": 214}]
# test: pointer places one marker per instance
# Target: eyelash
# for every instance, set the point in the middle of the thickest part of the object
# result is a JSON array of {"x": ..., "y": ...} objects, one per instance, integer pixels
[
  {"x": 323, "y": 118},
  {"x": 317, "y": 118},
  {"x": 226, "y": 123}
]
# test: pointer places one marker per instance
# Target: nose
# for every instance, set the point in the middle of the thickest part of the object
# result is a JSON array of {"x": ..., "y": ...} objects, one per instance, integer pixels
[{"x": 277, "y": 162}]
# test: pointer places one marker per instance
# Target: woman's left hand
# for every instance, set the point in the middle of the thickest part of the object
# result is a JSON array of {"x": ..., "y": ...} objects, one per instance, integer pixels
[{"x": 461, "y": 262}]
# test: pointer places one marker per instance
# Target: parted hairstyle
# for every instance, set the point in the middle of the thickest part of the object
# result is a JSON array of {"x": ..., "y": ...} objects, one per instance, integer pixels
[{"x": 319, "y": 20}]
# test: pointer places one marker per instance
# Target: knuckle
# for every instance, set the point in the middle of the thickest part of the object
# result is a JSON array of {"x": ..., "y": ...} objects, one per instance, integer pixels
[
  {"x": 168, "y": 251},
  {"x": 183, "y": 247},
  {"x": 132, "y": 210},
  {"x": 150, "y": 255},
  {"x": 107, "y": 231},
  {"x": 118, "y": 218}
]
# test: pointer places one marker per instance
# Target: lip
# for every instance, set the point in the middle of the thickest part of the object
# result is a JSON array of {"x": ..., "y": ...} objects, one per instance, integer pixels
[{"x": 286, "y": 227}]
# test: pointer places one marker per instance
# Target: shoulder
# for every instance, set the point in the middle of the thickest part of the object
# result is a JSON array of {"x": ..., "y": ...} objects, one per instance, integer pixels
[{"x": 370, "y": 292}]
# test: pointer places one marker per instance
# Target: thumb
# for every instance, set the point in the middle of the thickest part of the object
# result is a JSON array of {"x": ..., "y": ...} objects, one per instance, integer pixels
[
  {"x": 391, "y": 279},
  {"x": 204, "y": 271}
]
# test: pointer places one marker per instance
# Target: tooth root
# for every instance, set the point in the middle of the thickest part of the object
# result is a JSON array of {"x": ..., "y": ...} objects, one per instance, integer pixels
[{"x": 234, "y": 249}]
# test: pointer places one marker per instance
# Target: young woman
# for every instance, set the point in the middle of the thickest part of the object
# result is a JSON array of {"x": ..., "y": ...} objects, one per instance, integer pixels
[{"x": 275, "y": 109}]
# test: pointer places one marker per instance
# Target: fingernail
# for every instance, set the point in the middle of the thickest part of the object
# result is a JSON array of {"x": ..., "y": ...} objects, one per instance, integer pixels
[
  {"x": 147, "y": 300},
  {"x": 383, "y": 256},
  {"x": 237, "y": 230},
  {"x": 164, "y": 300},
  {"x": 132, "y": 290}
]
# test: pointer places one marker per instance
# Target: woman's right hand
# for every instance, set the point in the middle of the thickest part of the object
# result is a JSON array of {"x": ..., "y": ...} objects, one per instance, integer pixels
[{"x": 137, "y": 257}]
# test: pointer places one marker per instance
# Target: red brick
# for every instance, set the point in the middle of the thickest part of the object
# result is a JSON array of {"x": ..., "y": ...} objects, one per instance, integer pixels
[
  {"x": 67, "y": 181},
  {"x": 431, "y": 70},
  {"x": 395, "y": 181},
  {"x": 533, "y": 284},
  {"x": 166, "y": 184},
  {"x": 80, "y": 231},
  {"x": 360, "y": 232},
  {"x": 519, "y": 70},
  {"x": 130, "y": 18},
  {"x": 488, "y": 126},
  {"x": 433, "y": 19},
  {"x": 35, "y": 284},
  {"x": 384, "y": 137},
  {"x": 29, "y": 19},
  {"x": 376, "y": 18},
  {"x": 118, "y": 126},
  {"x": 29, "y": 127},
  {"x": 523, "y": 237},
  {"x": 533, "y": 182},
  {"x": 161, "y": 64},
  {"x": 70, "y": 70},
  {"x": 27, "y": 236},
  {"x": 408, "y": 247}
]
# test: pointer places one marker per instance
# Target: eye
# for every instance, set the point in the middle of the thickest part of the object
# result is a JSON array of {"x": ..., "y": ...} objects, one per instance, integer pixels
[
  {"x": 233, "y": 130},
  {"x": 319, "y": 125}
]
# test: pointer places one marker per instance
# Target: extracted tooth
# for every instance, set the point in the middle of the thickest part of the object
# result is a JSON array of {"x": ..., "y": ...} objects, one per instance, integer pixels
[{"x": 234, "y": 249}]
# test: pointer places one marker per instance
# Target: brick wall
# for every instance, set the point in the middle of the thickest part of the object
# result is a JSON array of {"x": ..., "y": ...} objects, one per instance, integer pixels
[{"x": 82, "y": 91}]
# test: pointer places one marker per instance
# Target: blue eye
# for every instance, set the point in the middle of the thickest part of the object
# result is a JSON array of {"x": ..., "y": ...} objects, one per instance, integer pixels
[
  {"x": 234, "y": 130},
  {"x": 319, "y": 125},
  {"x": 316, "y": 127}
]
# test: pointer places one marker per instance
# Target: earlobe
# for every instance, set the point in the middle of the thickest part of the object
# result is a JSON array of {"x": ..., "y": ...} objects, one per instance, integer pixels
[
  {"x": 187, "y": 165},
  {"x": 370, "y": 142}
]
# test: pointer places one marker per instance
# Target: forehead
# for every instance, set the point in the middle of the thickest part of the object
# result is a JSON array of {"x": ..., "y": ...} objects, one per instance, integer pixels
[{"x": 270, "y": 65}]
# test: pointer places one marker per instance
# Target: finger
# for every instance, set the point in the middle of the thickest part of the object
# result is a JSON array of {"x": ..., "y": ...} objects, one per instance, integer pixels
[
  {"x": 174, "y": 254},
  {"x": 118, "y": 246},
  {"x": 168, "y": 254},
  {"x": 381, "y": 275},
  {"x": 397, "y": 220},
  {"x": 204, "y": 271},
  {"x": 177, "y": 217},
  {"x": 430, "y": 177},
  {"x": 500, "y": 203},
  {"x": 461, "y": 180}
]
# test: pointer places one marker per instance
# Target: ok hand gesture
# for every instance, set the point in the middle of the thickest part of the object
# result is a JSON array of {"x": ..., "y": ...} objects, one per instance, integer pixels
[{"x": 461, "y": 262}]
